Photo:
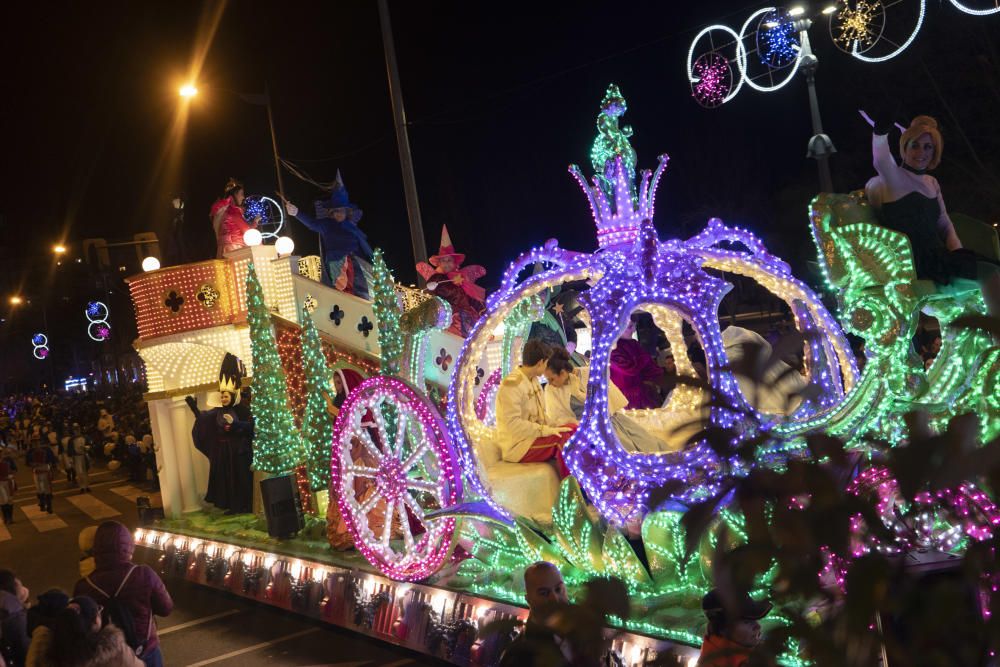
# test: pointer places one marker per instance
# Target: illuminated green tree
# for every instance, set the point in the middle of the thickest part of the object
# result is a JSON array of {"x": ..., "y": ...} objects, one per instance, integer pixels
[
  {"x": 277, "y": 447},
  {"x": 386, "y": 306},
  {"x": 317, "y": 430}
]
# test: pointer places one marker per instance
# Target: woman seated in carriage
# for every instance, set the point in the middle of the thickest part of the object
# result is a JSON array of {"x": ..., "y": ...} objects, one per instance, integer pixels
[{"x": 908, "y": 200}]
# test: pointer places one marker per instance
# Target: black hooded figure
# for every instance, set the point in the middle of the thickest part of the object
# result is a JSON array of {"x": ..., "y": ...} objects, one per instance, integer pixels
[{"x": 225, "y": 436}]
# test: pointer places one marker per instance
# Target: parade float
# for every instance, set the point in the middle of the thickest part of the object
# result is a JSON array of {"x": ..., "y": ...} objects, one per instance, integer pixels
[{"x": 441, "y": 525}]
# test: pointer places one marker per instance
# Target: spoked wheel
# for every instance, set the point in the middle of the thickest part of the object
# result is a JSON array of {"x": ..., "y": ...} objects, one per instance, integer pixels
[
  {"x": 392, "y": 463},
  {"x": 943, "y": 522}
]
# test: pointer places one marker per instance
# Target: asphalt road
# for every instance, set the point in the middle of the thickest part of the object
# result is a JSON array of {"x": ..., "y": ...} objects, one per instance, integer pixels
[{"x": 207, "y": 627}]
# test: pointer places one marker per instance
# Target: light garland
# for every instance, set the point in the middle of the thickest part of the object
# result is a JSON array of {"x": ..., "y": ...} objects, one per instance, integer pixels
[{"x": 97, "y": 317}]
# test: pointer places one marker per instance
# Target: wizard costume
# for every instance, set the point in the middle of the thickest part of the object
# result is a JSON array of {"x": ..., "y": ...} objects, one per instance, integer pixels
[
  {"x": 225, "y": 435},
  {"x": 346, "y": 253},
  {"x": 457, "y": 285}
]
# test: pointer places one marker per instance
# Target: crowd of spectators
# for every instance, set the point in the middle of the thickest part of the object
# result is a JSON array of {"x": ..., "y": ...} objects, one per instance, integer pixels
[{"x": 81, "y": 428}]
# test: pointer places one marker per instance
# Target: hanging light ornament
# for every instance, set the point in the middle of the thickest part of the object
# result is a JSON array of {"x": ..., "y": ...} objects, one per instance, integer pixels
[
  {"x": 714, "y": 79},
  {"x": 97, "y": 317}
]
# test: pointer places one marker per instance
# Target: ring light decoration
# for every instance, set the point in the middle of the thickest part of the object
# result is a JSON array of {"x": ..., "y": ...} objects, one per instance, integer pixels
[
  {"x": 272, "y": 216},
  {"x": 862, "y": 29},
  {"x": 978, "y": 12},
  {"x": 97, "y": 317},
  {"x": 40, "y": 343},
  {"x": 766, "y": 52},
  {"x": 710, "y": 72}
]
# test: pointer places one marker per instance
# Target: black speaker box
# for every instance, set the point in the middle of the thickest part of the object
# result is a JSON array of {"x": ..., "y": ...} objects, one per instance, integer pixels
[{"x": 282, "y": 508}]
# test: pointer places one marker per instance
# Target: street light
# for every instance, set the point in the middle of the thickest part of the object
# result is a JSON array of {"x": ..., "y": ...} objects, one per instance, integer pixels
[
  {"x": 59, "y": 249},
  {"x": 188, "y": 90},
  {"x": 16, "y": 300}
]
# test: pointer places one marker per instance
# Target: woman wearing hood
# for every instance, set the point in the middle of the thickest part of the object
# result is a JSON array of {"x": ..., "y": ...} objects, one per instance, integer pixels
[{"x": 139, "y": 589}]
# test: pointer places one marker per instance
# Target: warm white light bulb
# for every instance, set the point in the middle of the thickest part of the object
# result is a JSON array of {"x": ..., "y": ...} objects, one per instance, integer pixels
[
  {"x": 284, "y": 245},
  {"x": 150, "y": 264},
  {"x": 798, "y": 10},
  {"x": 252, "y": 237}
]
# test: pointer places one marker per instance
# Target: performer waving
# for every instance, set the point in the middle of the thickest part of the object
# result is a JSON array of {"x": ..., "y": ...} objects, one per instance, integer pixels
[{"x": 909, "y": 200}]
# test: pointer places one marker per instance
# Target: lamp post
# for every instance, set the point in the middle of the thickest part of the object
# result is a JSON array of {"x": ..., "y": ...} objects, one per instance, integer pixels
[
  {"x": 189, "y": 91},
  {"x": 820, "y": 147}
]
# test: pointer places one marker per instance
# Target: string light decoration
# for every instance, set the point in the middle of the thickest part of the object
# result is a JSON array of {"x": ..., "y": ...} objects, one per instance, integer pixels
[
  {"x": 270, "y": 212},
  {"x": 277, "y": 447},
  {"x": 777, "y": 42},
  {"x": 713, "y": 79},
  {"x": 386, "y": 307},
  {"x": 40, "y": 346},
  {"x": 870, "y": 270},
  {"x": 97, "y": 317},
  {"x": 977, "y": 12},
  {"x": 403, "y": 473},
  {"x": 856, "y": 28},
  {"x": 317, "y": 431}
]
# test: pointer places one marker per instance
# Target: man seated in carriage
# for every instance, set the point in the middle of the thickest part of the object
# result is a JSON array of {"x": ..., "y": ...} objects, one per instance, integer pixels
[{"x": 523, "y": 432}]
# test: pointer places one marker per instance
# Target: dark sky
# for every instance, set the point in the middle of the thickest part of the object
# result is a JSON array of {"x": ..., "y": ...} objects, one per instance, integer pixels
[{"x": 501, "y": 97}]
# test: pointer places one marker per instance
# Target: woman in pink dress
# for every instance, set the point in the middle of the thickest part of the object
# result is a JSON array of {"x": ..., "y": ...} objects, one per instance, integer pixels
[
  {"x": 635, "y": 372},
  {"x": 228, "y": 221}
]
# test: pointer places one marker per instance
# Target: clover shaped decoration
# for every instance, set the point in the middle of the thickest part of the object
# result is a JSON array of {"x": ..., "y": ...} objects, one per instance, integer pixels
[
  {"x": 443, "y": 359},
  {"x": 336, "y": 315},
  {"x": 207, "y": 295},
  {"x": 365, "y": 326},
  {"x": 173, "y": 301},
  {"x": 309, "y": 304}
]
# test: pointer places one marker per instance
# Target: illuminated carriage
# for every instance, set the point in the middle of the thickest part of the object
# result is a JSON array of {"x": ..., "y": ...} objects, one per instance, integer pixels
[{"x": 404, "y": 474}]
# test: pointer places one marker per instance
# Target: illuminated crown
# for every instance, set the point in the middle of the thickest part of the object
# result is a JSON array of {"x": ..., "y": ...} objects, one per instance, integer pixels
[{"x": 617, "y": 208}]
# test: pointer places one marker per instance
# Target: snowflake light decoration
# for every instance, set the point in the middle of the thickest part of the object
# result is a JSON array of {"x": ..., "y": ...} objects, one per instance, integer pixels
[
  {"x": 97, "y": 325},
  {"x": 777, "y": 41},
  {"x": 857, "y": 27},
  {"x": 714, "y": 79}
]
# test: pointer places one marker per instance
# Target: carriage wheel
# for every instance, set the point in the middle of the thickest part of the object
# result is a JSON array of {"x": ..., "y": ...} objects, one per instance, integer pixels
[
  {"x": 945, "y": 520},
  {"x": 392, "y": 463}
]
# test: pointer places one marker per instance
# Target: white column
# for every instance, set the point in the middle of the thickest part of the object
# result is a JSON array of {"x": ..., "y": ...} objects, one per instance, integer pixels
[
  {"x": 183, "y": 419},
  {"x": 166, "y": 459}
]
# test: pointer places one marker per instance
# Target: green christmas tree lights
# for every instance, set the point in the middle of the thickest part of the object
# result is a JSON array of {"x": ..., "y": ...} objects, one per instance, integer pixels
[
  {"x": 277, "y": 447},
  {"x": 386, "y": 306},
  {"x": 317, "y": 429}
]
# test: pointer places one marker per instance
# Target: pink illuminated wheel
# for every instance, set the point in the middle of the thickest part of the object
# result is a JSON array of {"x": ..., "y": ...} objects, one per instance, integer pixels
[
  {"x": 942, "y": 521},
  {"x": 392, "y": 463}
]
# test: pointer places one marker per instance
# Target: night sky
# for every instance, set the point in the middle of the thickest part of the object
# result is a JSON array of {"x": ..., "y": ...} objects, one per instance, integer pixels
[{"x": 501, "y": 97}]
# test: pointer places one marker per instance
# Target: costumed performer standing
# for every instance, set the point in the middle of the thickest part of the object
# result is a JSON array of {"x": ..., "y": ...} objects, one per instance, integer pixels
[
  {"x": 566, "y": 395},
  {"x": 8, "y": 484},
  {"x": 225, "y": 435},
  {"x": 228, "y": 222},
  {"x": 523, "y": 429},
  {"x": 41, "y": 461},
  {"x": 908, "y": 200},
  {"x": 456, "y": 284},
  {"x": 634, "y": 371},
  {"x": 346, "y": 253}
]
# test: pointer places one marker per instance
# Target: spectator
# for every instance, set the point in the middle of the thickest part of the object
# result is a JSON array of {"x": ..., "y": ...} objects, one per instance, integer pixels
[
  {"x": 80, "y": 638},
  {"x": 733, "y": 629},
  {"x": 41, "y": 617},
  {"x": 13, "y": 619},
  {"x": 543, "y": 589},
  {"x": 105, "y": 423},
  {"x": 135, "y": 588}
]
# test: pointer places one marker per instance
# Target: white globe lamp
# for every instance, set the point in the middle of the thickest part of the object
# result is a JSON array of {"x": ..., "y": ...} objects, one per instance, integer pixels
[
  {"x": 150, "y": 264},
  {"x": 252, "y": 237},
  {"x": 284, "y": 245}
]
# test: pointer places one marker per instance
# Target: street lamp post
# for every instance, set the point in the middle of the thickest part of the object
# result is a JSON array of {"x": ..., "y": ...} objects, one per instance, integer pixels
[{"x": 820, "y": 146}]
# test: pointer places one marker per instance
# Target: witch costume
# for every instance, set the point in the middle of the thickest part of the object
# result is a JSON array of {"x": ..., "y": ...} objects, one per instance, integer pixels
[
  {"x": 225, "y": 435},
  {"x": 456, "y": 285},
  {"x": 346, "y": 253}
]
